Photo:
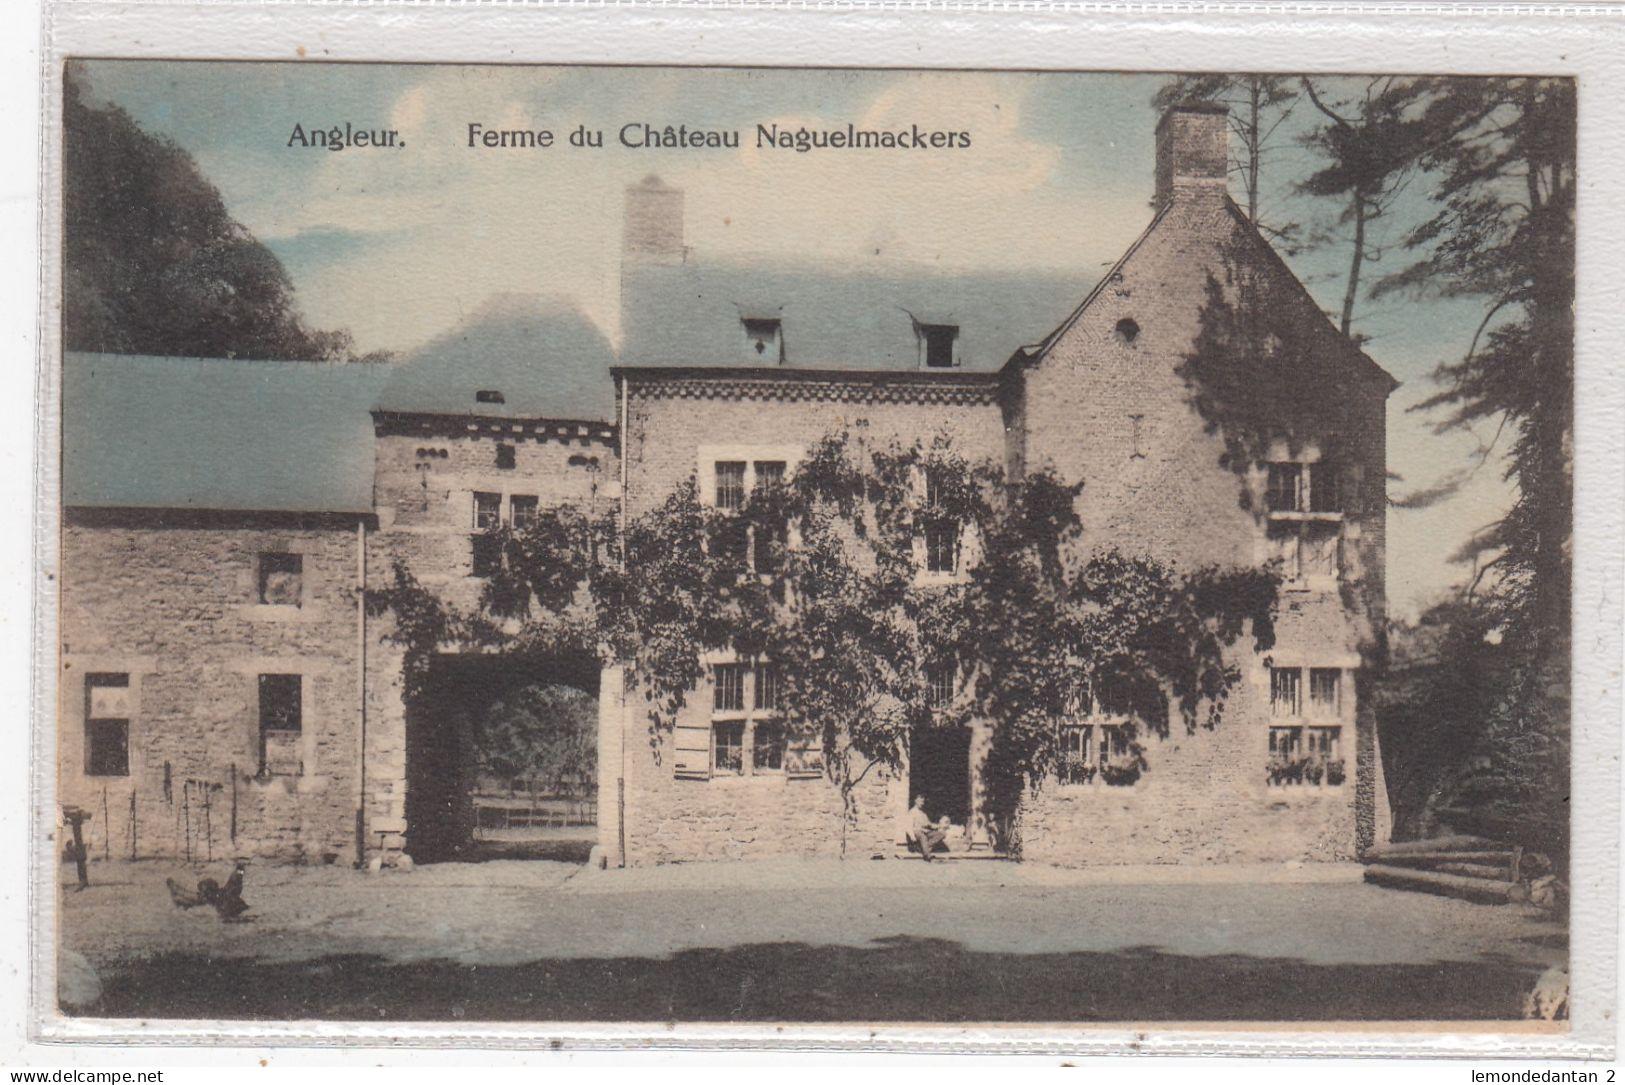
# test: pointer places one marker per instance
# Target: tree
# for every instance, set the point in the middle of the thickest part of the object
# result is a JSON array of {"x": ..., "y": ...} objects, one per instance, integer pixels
[
  {"x": 1259, "y": 105},
  {"x": 153, "y": 263},
  {"x": 1370, "y": 145},
  {"x": 1503, "y": 231},
  {"x": 541, "y": 737}
]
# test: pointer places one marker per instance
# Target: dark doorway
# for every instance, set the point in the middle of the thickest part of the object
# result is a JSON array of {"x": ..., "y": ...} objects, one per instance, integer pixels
[
  {"x": 451, "y": 790},
  {"x": 939, "y": 769}
]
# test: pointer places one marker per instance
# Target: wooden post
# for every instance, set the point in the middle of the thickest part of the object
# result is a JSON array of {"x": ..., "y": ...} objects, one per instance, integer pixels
[{"x": 132, "y": 823}]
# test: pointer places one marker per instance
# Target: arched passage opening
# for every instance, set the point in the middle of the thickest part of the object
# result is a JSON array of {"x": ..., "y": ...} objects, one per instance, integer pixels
[{"x": 501, "y": 757}]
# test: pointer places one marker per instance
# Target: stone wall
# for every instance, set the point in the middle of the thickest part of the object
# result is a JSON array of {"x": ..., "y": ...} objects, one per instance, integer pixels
[
  {"x": 172, "y": 600},
  {"x": 1108, "y": 405}
]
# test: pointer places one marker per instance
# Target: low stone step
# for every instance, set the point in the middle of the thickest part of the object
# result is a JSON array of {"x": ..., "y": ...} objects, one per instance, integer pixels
[{"x": 1478, "y": 890}]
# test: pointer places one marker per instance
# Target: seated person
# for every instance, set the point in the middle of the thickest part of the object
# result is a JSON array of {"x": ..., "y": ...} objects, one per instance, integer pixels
[{"x": 920, "y": 833}]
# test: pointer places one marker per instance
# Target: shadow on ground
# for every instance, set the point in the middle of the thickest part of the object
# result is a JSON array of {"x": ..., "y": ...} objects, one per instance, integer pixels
[{"x": 895, "y": 979}]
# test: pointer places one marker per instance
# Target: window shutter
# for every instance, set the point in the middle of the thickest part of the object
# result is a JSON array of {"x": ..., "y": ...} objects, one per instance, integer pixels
[{"x": 692, "y": 751}]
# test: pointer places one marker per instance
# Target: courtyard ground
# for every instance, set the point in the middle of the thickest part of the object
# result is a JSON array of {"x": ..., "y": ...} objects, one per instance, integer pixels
[{"x": 892, "y": 940}]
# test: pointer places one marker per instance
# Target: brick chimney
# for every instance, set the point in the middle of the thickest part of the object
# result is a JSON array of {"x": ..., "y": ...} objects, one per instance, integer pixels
[
  {"x": 652, "y": 231},
  {"x": 1192, "y": 150}
]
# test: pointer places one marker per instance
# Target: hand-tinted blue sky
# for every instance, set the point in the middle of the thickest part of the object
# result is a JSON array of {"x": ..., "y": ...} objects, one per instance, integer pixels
[{"x": 399, "y": 245}]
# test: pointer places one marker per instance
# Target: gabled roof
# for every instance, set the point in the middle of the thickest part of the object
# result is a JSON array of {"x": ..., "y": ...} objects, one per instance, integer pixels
[
  {"x": 1034, "y": 353},
  {"x": 209, "y": 433},
  {"x": 690, "y": 314}
]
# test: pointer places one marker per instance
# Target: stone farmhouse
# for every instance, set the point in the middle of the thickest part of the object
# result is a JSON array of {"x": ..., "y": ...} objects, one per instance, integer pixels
[{"x": 224, "y": 690}]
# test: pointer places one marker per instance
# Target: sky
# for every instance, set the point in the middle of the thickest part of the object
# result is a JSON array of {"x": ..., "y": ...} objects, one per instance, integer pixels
[{"x": 398, "y": 245}]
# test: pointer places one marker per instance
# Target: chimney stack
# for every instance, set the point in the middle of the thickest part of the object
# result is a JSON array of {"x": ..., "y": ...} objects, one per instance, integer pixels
[
  {"x": 652, "y": 231},
  {"x": 1193, "y": 150}
]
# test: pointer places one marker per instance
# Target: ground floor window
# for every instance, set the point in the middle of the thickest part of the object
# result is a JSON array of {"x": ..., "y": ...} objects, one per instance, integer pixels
[
  {"x": 281, "y": 725},
  {"x": 1306, "y": 755},
  {"x": 1098, "y": 750},
  {"x": 728, "y": 749},
  {"x": 107, "y": 724}
]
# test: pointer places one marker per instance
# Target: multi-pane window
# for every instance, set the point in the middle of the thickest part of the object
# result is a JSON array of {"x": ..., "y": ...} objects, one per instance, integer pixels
[
  {"x": 769, "y": 473},
  {"x": 747, "y": 741},
  {"x": 942, "y": 547},
  {"x": 1303, "y": 748},
  {"x": 486, "y": 557},
  {"x": 767, "y": 746},
  {"x": 730, "y": 479},
  {"x": 1286, "y": 691},
  {"x": 487, "y": 511},
  {"x": 107, "y": 724},
  {"x": 1306, "y": 549},
  {"x": 728, "y": 688},
  {"x": 1284, "y": 489},
  {"x": 1325, "y": 494},
  {"x": 939, "y": 688},
  {"x": 1286, "y": 742},
  {"x": 728, "y": 748},
  {"x": 281, "y": 725},
  {"x": 522, "y": 511},
  {"x": 281, "y": 579},
  {"x": 1325, "y": 692},
  {"x": 1077, "y": 761},
  {"x": 767, "y": 688}
]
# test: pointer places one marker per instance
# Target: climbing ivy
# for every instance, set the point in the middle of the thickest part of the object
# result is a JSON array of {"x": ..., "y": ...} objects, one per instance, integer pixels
[{"x": 821, "y": 573}]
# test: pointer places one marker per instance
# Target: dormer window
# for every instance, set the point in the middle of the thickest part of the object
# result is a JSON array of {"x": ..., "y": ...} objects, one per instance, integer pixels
[
  {"x": 764, "y": 340},
  {"x": 489, "y": 395},
  {"x": 937, "y": 350}
]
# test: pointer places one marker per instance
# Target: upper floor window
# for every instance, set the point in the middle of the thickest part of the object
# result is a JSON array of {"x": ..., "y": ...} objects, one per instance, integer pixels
[
  {"x": 506, "y": 456},
  {"x": 764, "y": 339},
  {"x": 939, "y": 683},
  {"x": 487, "y": 511},
  {"x": 942, "y": 532},
  {"x": 1305, "y": 487},
  {"x": 728, "y": 688},
  {"x": 281, "y": 724},
  {"x": 281, "y": 579},
  {"x": 1325, "y": 692},
  {"x": 1286, "y": 691},
  {"x": 107, "y": 724},
  {"x": 522, "y": 510},
  {"x": 730, "y": 476},
  {"x": 937, "y": 345},
  {"x": 1284, "y": 490}
]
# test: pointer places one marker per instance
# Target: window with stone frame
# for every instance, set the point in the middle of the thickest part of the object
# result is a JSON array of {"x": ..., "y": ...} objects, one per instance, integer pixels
[
  {"x": 942, "y": 532},
  {"x": 1325, "y": 692},
  {"x": 764, "y": 340},
  {"x": 941, "y": 682},
  {"x": 281, "y": 717},
  {"x": 1284, "y": 489},
  {"x": 728, "y": 747},
  {"x": 522, "y": 510},
  {"x": 281, "y": 579},
  {"x": 1077, "y": 762},
  {"x": 507, "y": 456},
  {"x": 107, "y": 724},
  {"x": 487, "y": 511},
  {"x": 1286, "y": 691},
  {"x": 486, "y": 548},
  {"x": 730, "y": 484}
]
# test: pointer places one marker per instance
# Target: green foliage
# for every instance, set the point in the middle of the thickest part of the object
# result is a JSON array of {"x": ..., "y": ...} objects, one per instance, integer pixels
[
  {"x": 540, "y": 738},
  {"x": 153, "y": 263},
  {"x": 821, "y": 574}
]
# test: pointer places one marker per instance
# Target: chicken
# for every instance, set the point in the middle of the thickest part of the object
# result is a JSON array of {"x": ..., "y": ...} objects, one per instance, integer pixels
[{"x": 227, "y": 901}]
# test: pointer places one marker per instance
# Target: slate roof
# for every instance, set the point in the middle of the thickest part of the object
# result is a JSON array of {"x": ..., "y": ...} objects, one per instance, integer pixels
[
  {"x": 690, "y": 314},
  {"x": 206, "y": 433},
  {"x": 545, "y": 358}
]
